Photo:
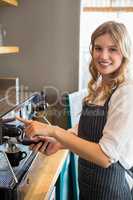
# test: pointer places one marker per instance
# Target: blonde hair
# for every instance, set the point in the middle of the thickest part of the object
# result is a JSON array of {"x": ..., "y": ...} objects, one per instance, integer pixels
[{"x": 120, "y": 36}]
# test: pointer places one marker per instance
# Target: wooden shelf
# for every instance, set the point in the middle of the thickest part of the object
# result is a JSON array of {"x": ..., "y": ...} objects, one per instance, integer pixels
[
  {"x": 108, "y": 9},
  {"x": 8, "y": 49},
  {"x": 10, "y": 2}
]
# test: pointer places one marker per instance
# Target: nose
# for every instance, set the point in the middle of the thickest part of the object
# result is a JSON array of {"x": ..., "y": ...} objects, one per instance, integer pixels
[{"x": 104, "y": 54}]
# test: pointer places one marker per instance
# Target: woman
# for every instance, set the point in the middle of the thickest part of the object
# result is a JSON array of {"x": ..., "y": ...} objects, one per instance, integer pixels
[{"x": 104, "y": 142}]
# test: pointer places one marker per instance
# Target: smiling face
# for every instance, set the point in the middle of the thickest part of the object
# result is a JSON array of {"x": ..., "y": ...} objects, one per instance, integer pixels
[{"x": 107, "y": 56}]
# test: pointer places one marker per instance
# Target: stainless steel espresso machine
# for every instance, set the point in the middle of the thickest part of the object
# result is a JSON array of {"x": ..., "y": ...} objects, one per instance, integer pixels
[{"x": 15, "y": 156}]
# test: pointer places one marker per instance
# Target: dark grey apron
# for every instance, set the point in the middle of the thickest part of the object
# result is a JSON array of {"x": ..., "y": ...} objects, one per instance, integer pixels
[{"x": 95, "y": 182}]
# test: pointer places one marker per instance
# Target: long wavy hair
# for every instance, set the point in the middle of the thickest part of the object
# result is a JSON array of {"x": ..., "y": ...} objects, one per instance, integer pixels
[{"x": 120, "y": 36}]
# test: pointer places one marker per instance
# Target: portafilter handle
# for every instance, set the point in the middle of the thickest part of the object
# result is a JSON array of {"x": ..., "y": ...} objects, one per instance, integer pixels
[
  {"x": 11, "y": 130},
  {"x": 27, "y": 141}
]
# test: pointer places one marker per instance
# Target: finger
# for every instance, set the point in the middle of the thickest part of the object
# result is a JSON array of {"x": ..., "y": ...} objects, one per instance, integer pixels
[
  {"x": 30, "y": 132},
  {"x": 43, "y": 147},
  {"x": 49, "y": 150},
  {"x": 36, "y": 147},
  {"x": 25, "y": 121},
  {"x": 47, "y": 138},
  {"x": 31, "y": 146},
  {"x": 50, "y": 139}
]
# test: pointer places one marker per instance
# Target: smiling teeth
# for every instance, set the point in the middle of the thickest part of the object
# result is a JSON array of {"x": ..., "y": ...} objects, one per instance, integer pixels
[{"x": 104, "y": 64}]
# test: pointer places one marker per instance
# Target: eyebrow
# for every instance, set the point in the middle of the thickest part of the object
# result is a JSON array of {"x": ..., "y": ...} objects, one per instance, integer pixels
[{"x": 98, "y": 45}]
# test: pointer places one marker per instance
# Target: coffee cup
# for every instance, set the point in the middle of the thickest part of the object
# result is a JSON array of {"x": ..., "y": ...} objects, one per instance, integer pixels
[{"x": 15, "y": 157}]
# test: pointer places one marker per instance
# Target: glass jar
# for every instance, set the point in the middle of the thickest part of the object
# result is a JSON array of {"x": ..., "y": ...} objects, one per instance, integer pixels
[{"x": 2, "y": 35}]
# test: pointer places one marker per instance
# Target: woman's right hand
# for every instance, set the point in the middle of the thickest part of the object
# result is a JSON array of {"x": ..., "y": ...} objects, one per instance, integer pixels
[{"x": 47, "y": 146}]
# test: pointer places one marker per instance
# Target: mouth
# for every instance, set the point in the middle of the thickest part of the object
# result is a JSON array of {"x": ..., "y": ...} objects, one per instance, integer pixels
[{"x": 104, "y": 64}]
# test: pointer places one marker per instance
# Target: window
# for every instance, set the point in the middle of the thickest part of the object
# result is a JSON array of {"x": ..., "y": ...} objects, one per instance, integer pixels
[{"x": 93, "y": 13}]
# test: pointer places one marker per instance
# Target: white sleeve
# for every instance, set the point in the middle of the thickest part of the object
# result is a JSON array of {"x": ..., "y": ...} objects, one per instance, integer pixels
[{"x": 118, "y": 130}]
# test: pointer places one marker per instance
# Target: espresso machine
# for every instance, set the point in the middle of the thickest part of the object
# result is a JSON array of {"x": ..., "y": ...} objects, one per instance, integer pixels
[{"x": 15, "y": 156}]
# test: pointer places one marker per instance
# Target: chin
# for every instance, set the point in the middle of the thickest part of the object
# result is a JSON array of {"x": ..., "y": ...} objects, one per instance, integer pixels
[{"x": 104, "y": 73}]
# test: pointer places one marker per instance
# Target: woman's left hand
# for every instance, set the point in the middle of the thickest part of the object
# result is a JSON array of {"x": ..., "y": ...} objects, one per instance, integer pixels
[
  {"x": 48, "y": 147},
  {"x": 35, "y": 128}
]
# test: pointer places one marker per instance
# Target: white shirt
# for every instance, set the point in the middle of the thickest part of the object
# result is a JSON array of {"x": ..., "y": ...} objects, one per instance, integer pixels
[{"x": 117, "y": 139}]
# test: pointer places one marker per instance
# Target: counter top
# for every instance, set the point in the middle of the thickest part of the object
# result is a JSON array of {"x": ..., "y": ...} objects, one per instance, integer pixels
[{"x": 42, "y": 176}]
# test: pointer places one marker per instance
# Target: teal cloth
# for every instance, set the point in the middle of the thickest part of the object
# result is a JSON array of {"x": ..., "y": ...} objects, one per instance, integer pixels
[
  {"x": 73, "y": 160},
  {"x": 67, "y": 183}
]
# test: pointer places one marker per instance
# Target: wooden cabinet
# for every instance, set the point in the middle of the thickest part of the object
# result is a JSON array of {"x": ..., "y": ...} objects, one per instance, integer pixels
[{"x": 9, "y": 49}]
